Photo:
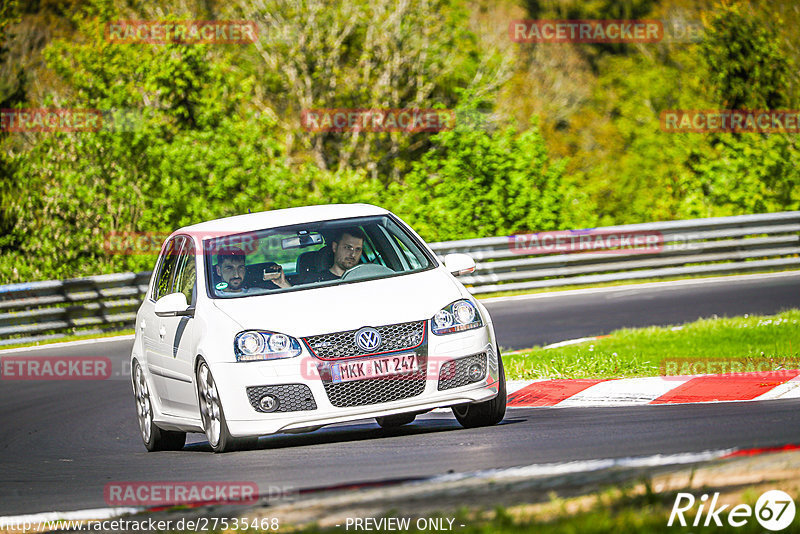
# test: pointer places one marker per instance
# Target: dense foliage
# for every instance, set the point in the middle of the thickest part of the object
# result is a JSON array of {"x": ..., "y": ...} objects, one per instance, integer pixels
[{"x": 546, "y": 136}]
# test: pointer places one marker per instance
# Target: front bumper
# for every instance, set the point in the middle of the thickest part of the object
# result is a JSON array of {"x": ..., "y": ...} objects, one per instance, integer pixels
[{"x": 244, "y": 419}]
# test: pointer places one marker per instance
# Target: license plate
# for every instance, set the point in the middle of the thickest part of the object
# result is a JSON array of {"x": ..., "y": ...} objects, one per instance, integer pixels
[{"x": 374, "y": 367}]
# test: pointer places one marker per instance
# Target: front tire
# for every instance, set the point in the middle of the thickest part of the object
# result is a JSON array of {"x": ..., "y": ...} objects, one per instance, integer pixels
[
  {"x": 154, "y": 438},
  {"x": 214, "y": 424},
  {"x": 485, "y": 413}
]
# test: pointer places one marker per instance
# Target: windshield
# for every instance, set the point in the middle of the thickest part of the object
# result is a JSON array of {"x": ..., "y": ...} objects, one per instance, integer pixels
[{"x": 305, "y": 256}]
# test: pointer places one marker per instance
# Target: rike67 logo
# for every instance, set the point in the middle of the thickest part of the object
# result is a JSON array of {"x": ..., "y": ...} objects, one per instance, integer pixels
[{"x": 774, "y": 510}]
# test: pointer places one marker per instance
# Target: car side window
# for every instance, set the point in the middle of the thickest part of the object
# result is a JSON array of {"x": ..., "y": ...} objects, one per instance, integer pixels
[
  {"x": 410, "y": 257},
  {"x": 186, "y": 272},
  {"x": 166, "y": 269},
  {"x": 394, "y": 248},
  {"x": 370, "y": 253}
]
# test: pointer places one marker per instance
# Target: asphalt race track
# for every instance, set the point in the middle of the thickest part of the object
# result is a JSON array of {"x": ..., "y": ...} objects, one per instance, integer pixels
[{"x": 64, "y": 441}]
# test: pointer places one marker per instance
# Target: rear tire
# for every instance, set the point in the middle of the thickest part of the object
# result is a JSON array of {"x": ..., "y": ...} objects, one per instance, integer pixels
[
  {"x": 214, "y": 423},
  {"x": 394, "y": 421},
  {"x": 154, "y": 438},
  {"x": 485, "y": 413}
]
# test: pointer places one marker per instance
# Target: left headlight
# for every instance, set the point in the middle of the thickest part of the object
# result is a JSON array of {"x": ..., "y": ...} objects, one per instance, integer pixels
[
  {"x": 457, "y": 317},
  {"x": 254, "y": 345}
]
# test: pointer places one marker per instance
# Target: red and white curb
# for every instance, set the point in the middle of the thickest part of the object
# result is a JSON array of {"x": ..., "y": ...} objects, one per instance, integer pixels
[{"x": 654, "y": 390}]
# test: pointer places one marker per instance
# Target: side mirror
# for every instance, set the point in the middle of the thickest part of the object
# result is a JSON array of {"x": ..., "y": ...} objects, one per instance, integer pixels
[
  {"x": 173, "y": 305},
  {"x": 459, "y": 264}
]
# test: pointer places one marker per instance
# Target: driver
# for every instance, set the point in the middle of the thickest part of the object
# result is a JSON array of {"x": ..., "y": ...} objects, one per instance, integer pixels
[
  {"x": 231, "y": 269},
  {"x": 347, "y": 246}
]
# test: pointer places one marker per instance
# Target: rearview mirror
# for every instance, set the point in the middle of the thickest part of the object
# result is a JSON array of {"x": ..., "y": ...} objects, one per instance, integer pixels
[
  {"x": 173, "y": 305},
  {"x": 302, "y": 240},
  {"x": 459, "y": 264}
]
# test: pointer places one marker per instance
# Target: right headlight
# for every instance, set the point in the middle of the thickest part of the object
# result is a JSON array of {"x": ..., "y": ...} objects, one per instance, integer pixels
[
  {"x": 252, "y": 345},
  {"x": 457, "y": 317}
]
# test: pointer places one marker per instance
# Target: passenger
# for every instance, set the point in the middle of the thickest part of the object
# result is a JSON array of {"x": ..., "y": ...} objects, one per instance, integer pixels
[{"x": 231, "y": 269}]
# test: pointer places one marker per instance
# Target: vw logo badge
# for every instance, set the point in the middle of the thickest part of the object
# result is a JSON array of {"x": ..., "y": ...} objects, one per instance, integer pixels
[{"x": 368, "y": 339}]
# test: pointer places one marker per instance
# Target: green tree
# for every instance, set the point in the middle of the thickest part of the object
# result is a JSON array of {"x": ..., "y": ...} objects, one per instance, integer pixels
[
  {"x": 747, "y": 68},
  {"x": 479, "y": 181},
  {"x": 366, "y": 54},
  {"x": 637, "y": 172},
  {"x": 11, "y": 94},
  {"x": 177, "y": 146}
]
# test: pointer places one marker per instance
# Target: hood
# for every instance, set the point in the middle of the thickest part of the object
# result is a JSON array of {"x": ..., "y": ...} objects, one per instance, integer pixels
[{"x": 323, "y": 310}]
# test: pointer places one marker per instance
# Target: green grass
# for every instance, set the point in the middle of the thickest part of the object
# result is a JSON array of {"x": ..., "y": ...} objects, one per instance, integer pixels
[
  {"x": 641, "y": 521},
  {"x": 644, "y": 518},
  {"x": 76, "y": 337},
  {"x": 758, "y": 342},
  {"x": 613, "y": 510}
]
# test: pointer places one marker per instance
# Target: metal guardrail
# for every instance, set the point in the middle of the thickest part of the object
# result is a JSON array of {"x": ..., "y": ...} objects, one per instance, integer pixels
[
  {"x": 56, "y": 308},
  {"x": 722, "y": 245}
]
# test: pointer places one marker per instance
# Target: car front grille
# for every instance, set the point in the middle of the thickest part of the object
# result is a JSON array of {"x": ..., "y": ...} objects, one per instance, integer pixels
[
  {"x": 378, "y": 390},
  {"x": 291, "y": 397},
  {"x": 394, "y": 337},
  {"x": 456, "y": 373}
]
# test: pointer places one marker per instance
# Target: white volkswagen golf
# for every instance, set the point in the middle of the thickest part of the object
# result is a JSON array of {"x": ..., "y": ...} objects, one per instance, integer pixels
[{"x": 289, "y": 320}]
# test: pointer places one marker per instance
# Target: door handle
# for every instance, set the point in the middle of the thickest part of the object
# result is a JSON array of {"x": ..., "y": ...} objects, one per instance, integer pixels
[
  {"x": 142, "y": 325},
  {"x": 162, "y": 332}
]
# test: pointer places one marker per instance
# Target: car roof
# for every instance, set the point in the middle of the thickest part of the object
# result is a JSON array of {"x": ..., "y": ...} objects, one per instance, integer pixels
[{"x": 274, "y": 218}]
